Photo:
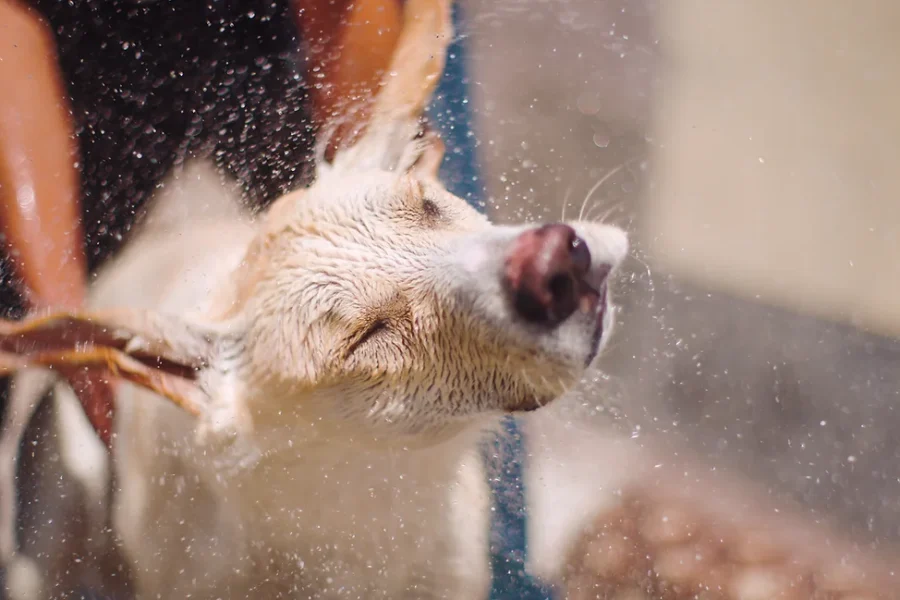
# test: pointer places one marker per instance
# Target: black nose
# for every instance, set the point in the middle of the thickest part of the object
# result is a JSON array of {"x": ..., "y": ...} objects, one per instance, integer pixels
[{"x": 545, "y": 271}]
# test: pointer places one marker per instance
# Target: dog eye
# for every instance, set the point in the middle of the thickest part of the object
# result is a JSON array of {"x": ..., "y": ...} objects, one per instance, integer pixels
[{"x": 373, "y": 330}]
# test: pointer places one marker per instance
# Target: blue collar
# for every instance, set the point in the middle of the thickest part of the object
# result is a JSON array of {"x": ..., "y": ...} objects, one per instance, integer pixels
[{"x": 504, "y": 459}]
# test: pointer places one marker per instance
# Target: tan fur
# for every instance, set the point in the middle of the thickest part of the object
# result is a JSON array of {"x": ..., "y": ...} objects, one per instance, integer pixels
[{"x": 330, "y": 459}]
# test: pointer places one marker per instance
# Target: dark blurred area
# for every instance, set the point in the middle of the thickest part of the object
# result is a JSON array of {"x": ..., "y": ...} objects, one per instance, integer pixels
[{"x": 239, "y": 97}]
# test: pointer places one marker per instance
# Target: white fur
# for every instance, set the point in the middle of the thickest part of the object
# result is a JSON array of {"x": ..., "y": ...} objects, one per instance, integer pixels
[
  {"x": 82, "y": 453},
  {"x": 573, "y": 473},
  {"x": 23, "y": 579}
]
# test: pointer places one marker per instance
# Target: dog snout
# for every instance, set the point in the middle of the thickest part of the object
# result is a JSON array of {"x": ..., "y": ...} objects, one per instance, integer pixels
[{"x": 546, "y": 273}]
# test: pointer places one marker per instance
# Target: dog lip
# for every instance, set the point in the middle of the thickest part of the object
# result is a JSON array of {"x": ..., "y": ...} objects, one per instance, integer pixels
[
  {"x": 597, "y": 336},
  {"x": 592, "y": 290},
  {"x": 588, "y": 297},
  {"x": 597, "y": 276}
]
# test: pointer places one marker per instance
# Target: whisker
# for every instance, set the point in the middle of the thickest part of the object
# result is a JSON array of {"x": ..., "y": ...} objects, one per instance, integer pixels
[
  {"x": 613, "y": 208},
  {"x": 528, "y": 380},
  {"x": 601, "y": 181},
  {"x": 584, "y": 204},
  {"x": 566, "y": 387},
  {"x": 538, "y": 397},
  {"x": 562, "y": 217}
]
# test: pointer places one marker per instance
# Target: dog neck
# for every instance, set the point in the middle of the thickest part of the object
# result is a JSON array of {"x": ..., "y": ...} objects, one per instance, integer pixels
[{"x": 335, "y": 488}]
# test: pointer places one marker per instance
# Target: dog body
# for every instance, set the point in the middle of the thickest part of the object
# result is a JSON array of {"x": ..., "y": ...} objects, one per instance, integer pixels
[{"x": 358, "y": 476}]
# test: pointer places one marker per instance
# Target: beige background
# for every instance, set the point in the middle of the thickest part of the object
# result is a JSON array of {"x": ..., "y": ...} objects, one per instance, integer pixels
[
  {"x": 563, "y": 94},
  {"x": 779, "y": 142}
]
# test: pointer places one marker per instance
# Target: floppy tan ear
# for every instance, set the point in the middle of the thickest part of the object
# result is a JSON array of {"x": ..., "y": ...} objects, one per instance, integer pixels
[
  {"x": 392, "y": 139},
  {"x": 159, "y": 352},
  {"x": 417, "y": 63},
  {"x": 350, "y": 44}
]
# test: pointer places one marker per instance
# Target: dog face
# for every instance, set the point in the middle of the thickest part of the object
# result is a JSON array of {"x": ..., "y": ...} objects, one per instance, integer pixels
[
  {"x": 373, "y": 298},
  {"x": 386, "y": 301}
]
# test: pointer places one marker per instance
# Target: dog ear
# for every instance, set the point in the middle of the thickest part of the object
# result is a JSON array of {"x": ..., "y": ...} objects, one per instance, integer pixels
[
  {"x": 393, "y": 138},
  {"x": 162, "y": 353},
  {"x": 349, "y": 48}
]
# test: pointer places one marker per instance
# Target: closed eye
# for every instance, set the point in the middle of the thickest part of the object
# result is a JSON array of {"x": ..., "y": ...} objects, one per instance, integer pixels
[{"x": 375, "y": 328}]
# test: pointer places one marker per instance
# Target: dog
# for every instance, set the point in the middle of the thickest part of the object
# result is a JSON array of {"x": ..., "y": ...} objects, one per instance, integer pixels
[{"x": 305, "y": 392}]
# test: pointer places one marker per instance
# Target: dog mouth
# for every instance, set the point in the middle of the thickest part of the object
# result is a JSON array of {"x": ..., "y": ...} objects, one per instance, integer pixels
[
  {"x": 597, "y": 336},
  {"x": 592, "y": 308},
  {"x": 552, "y": 279}
]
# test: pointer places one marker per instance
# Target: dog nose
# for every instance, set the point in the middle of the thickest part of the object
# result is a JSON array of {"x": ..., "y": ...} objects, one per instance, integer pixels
[{"x": 545, "y": 271}]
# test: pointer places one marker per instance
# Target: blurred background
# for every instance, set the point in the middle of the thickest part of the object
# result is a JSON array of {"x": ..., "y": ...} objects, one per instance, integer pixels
[{"x": 751, "y": 150}]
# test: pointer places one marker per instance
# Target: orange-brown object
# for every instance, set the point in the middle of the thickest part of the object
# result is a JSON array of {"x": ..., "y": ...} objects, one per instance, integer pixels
[
  {"x": 38, "y": 179},
  {"x": 158, "y": 354},
  {"x": 351, "y": 43},
  {"x": 39, "y": 210}
]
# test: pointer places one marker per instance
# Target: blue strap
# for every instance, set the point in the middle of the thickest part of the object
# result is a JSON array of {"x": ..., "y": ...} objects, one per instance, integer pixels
[
  {"x": 451, "y": 113},
  {"x": 450, "y": 110},
  {"x": 505, "y": 460}
]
